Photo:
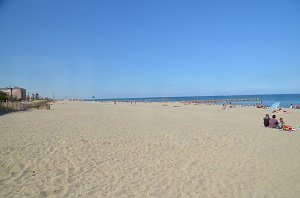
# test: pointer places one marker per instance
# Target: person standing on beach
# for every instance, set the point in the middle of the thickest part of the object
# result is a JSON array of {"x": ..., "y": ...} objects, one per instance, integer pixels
[
  {"x": 273, "y": 122},
  {"x": 266, "y": 120}
]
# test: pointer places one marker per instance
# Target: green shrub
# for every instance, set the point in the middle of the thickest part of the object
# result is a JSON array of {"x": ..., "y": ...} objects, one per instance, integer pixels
[{"x": 3, "y": 96}]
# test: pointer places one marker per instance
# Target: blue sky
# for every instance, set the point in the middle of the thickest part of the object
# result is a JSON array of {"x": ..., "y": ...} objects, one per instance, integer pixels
[{"x": 139, "y": 48}]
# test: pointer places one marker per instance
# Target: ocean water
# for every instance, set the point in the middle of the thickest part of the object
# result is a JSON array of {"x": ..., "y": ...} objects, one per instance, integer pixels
[{"x": 285, "y": 99}]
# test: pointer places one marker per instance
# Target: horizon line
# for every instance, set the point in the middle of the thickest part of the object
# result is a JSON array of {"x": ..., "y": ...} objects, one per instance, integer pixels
[{"x": 150, "y": 97}]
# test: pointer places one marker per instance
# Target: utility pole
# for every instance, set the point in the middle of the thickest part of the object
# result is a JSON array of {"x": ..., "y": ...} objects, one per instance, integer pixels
[{"x": 11, "y": 94}]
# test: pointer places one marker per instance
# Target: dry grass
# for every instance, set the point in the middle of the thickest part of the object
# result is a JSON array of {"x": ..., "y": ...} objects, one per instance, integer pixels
[{"x": 20, "y": 106}]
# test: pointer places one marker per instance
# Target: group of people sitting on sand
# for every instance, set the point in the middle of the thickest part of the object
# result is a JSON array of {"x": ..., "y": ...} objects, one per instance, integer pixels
[
  {"x": 227, "y": 106},
  {"x": 261, "y": 106},
  {"x": 274, "y": 123},
  {"x": 279, "y": 110}
]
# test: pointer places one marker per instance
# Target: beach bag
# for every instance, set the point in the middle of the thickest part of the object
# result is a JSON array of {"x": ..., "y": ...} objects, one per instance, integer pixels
[{"x": 287, "y": 128}]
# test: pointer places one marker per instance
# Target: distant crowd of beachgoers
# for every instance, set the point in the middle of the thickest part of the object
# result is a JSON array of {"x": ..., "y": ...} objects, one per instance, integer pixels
[
  {"x": 228, "y": 104},
  {"x": 261, "y": 106}
]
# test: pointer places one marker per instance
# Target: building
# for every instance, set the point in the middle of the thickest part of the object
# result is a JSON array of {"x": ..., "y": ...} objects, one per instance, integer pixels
[{"x": 15, "y": 93}]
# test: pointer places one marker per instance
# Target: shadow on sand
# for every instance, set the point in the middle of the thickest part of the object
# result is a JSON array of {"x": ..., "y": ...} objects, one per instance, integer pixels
[
  {"x": 8, "y": 112},
  {"x": 3, "y": 113}
]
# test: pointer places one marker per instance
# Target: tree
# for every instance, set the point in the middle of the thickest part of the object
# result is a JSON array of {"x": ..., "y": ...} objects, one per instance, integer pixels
[
  {"x": 28, "y": 96},
  {"x": 37, "y": 96},
  {"x": 3, "y": 96}
]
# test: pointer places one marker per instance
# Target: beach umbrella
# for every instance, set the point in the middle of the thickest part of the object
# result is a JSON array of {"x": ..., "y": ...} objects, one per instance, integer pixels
[{"x": 275, "y": 106}]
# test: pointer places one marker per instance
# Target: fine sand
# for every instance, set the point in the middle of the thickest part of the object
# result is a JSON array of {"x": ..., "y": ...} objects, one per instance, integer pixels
[{"x": 91, "y": 149}]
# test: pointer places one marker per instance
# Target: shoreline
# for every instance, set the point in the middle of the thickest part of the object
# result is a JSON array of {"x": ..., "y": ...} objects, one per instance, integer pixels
[{"x": 267, "y": 99}]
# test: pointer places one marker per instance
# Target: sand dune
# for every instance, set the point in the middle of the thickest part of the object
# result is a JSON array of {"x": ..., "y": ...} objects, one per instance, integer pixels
[{"x": 81, "y": 149}]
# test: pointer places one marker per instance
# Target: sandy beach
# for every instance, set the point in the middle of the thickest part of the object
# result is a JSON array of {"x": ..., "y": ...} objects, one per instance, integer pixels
[{"x": 92, "y": 149}]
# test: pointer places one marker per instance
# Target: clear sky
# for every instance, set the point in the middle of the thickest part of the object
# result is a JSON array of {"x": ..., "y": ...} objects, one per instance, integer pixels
[{"x": 124, "y": 48}]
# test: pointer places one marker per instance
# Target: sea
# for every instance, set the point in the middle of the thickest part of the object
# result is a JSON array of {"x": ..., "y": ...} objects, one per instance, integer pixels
[{"x": 285, "y": 99}]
